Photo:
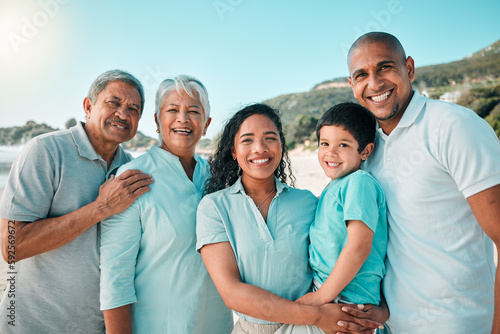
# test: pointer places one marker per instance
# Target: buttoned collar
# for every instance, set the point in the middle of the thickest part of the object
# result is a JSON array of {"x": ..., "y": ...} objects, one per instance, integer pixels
[
  {"x": 86, "y": 150},
  {"x": 410, "y": 114},
  {"x": 238, "y": 187}
]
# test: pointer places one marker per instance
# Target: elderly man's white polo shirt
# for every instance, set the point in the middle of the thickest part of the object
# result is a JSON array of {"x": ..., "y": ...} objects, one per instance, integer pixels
[{"x": 440, "y": 268}]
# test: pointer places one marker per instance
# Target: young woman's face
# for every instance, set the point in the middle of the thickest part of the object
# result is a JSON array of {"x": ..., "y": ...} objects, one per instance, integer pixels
[{"x": 258, "y": 147}]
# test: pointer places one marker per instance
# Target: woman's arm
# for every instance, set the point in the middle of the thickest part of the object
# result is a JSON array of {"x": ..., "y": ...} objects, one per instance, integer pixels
[
  {"x": 352, "y": 257},
  {"x": 258, "y": 303},
  {"x": 121, "y": 236},
  {"x": 118, "y": 320}
]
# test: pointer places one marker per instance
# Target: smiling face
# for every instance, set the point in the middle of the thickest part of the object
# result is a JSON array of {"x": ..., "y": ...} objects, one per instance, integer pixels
[
  {"x": 258, "y": 148},
  {"x": 338, "y": 152},
  {"x": 381, "y": 80},
  {"x": 182, "y": 122},
  {"x": 114, "y": 117}
]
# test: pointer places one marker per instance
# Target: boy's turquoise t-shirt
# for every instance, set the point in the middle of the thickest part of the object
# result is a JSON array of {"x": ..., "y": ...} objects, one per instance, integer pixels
[{"x": 356, "y": 196}]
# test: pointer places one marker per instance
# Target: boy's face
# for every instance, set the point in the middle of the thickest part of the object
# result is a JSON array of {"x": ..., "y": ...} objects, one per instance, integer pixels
[{"x": 338, "y": 151}]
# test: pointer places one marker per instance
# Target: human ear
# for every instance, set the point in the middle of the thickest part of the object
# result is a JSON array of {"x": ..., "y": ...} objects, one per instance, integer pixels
[
  {"x": 207, "y": 123},
  {"x": 367, "y": 151},
  {"x": 410, "y": 66},
  {"x": 87, "y": 106}
]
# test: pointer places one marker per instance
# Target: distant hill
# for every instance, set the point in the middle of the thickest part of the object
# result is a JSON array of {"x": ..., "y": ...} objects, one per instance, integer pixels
[
  {"x": 475, "y": 81},
  {"x": 18, "y": 135}
]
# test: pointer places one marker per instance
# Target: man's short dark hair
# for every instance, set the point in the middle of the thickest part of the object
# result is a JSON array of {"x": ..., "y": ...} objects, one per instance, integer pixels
[{"x": 354, "y": 118}]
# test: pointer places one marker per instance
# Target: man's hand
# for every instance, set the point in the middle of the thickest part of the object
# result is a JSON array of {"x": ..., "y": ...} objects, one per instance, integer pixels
[
  {"x": 355, "y": 319},
  {"x": 117, "y": 194}
]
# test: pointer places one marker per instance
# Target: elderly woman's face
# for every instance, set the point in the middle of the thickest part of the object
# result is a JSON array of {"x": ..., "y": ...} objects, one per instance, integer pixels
[{"x": 182, "y": 122}]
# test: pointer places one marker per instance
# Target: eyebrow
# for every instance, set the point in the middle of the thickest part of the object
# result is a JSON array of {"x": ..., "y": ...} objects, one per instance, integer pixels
[
  {"x": 190, "y": 106},
  {"x": 252, "y": 134},
  {"x": 379, "y": 64},
  {"x": 120, "y": 99}
]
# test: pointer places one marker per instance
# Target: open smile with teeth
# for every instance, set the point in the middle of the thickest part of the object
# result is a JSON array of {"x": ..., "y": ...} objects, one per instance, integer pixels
[
  {"x": 183, "y": 131},
  {"x": 259, "y": 161},
  {"x": 381, "y": 97},
  {"x": 120, "y": 125},
  {"x": 333, "y": 164}
]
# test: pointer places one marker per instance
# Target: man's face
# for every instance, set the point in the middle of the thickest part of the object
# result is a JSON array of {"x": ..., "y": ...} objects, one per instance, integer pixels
[
  {"x": 381, "y": 81},
  {"x": 114, "y": 117}
]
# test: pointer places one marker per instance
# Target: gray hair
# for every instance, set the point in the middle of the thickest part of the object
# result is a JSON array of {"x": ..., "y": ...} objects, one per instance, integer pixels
[
  {"x": 182, "y": 83},
  {"x": 115, "y": 75}
]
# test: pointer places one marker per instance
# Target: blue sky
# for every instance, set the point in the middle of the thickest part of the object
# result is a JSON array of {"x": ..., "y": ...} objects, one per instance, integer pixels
[{"x": 243, "y": 51}]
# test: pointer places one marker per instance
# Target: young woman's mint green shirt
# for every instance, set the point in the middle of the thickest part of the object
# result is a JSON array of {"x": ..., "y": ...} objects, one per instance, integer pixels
[
  {"x": 148, "y": 255},
  {"x": 271, "y": 255}
]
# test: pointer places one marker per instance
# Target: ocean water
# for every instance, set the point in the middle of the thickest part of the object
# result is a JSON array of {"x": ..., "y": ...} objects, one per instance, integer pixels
[{"x": 7, "y": 156}]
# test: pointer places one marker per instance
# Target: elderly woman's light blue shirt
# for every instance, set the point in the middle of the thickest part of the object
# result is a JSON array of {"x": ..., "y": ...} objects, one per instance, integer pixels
[
  {"x": 148, "y": 256},
  {"x": 272, "y": 255}
]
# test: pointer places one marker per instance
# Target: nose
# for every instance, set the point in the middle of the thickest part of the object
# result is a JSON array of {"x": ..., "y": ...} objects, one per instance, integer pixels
[
  {"x": 183, "y": 116},
  {"x": 375, "y": 82},
  {"x": 260, "y": 146},
  {"x": 122, "y": 112},
  {"x": 333, "y": 151}
]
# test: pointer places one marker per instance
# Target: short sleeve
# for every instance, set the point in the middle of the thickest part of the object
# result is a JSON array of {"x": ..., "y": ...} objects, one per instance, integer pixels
[
  {"x": 470, "y": 151},
  {"x": 360, "y": 200},
  {"x": 29, "y": 190},
  {"x": 120, "y": 241},
  {"x": 210, "y": 228}
]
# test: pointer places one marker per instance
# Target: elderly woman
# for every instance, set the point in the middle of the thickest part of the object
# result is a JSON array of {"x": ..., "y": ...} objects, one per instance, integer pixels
[
  {"x": 152, "y": 279},
  {"x": 253, "y": 231}
]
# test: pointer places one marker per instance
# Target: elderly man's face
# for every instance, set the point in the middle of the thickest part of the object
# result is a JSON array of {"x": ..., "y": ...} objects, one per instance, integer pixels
[
  {"x": 114, "y": 117},
  {"x": 381, "y": 81}
]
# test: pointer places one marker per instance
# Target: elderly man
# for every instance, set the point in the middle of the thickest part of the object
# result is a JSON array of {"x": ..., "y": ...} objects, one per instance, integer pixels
[
  {"x": 55, "y": 195},
  {"x": 439, "y": 165}
]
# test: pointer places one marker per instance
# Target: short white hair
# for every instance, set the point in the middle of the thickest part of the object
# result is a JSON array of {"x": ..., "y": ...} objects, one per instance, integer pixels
[{"x": 182, "y": 83}]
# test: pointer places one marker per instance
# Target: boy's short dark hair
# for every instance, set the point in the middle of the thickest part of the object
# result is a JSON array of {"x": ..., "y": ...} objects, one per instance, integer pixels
[{"x": 354, "y": 118}]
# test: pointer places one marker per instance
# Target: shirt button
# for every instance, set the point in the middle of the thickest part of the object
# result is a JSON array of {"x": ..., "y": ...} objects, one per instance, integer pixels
[
  {"x": 389, "y": 145},
  {"x": 388, "y": 158}
]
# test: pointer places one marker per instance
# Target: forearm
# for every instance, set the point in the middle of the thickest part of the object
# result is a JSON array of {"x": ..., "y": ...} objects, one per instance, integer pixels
[
  {"x": 349, "y": 262},
  {"x": 344, "y": 271},
  {"x": 496, "y": 316},
  {"x": 118, "y": 320},
  {"x": 262, "y": 304},
  {"x": 48, "y": 234}
]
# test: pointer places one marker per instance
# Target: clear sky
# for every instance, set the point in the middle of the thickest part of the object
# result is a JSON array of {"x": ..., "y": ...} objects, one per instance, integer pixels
[{"x": 243, "y": 51}]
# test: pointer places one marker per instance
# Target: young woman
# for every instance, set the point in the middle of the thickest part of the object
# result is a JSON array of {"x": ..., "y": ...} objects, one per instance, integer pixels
[{"x": 252, "y": 231}]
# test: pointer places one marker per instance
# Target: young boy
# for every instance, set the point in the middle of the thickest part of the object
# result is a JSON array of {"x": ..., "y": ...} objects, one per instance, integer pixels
[{"x": 349, "y": 236}]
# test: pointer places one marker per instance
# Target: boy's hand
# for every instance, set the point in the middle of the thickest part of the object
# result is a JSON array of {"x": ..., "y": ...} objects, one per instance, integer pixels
[{"x": 311, "y": 298}]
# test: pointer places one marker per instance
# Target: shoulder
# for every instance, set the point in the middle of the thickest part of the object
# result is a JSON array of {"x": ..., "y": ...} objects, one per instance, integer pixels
[
  {"x": 140, "y": 162},
  {"x": 56, "y": 138},
  {"x": 362, "y": 182},
  {"x": 299, "y": 199},
  {"x": 216, "y": 201},
  {"x": 48, "y": 144},
  {"x": 445, "y": 114},
  {"x": 361, "y": 176}
]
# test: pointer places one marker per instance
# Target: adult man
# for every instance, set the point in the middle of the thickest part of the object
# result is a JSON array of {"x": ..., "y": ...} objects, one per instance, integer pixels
[
  {"x": 54, "y": 198},
  {"x": 439, "y": 165}
]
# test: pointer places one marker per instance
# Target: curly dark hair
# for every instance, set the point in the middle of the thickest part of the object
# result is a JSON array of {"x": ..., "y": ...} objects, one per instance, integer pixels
[{"x": 224, "y": 170}]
